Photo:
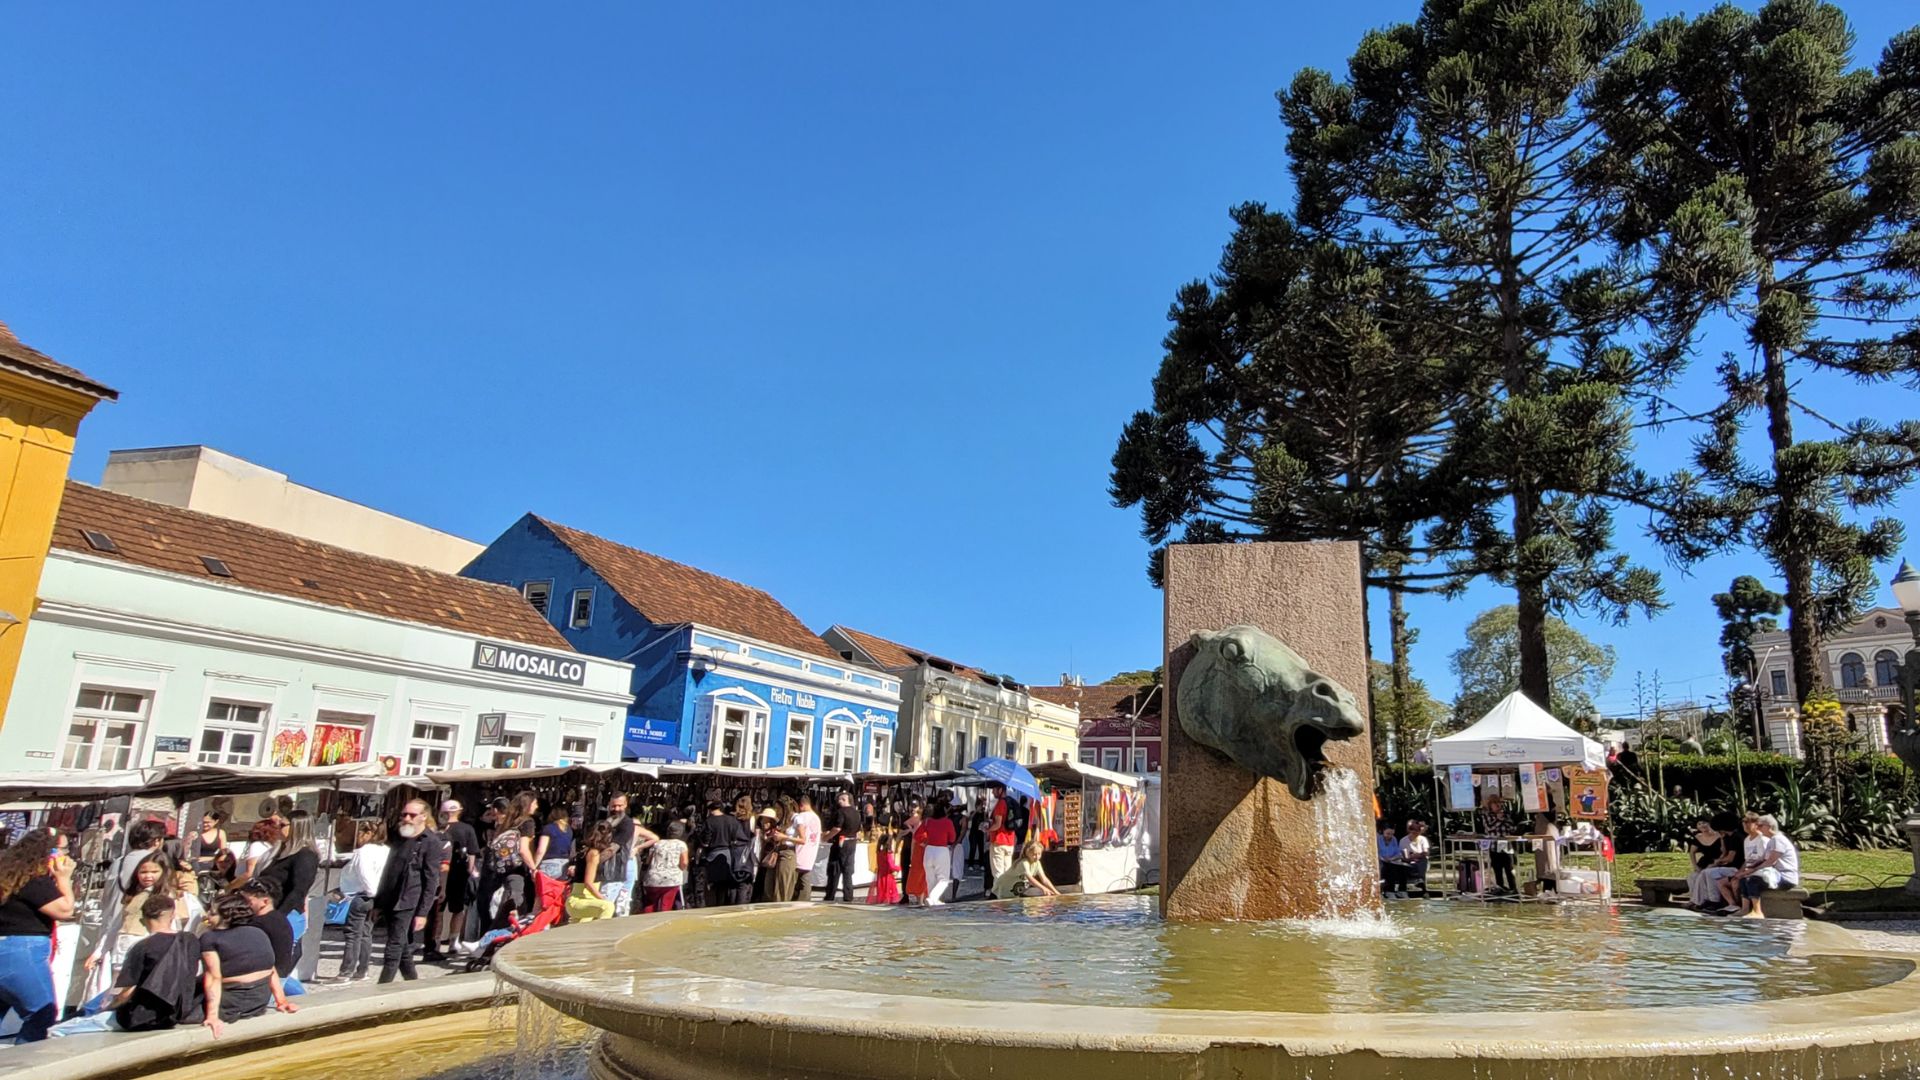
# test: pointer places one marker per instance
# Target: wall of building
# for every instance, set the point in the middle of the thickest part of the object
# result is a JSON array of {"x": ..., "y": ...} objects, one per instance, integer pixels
[
  {"x": 38, "y": 423},
  {"x": 722, "y": 669},
  {"x": 958, "y": 707},
  {"x": 183, "y": 644},
  {"x": 204, "y": 479}
]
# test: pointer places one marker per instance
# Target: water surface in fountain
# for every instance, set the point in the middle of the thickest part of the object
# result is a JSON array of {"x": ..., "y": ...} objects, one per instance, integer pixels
[{"x": 1423, "y": 958}]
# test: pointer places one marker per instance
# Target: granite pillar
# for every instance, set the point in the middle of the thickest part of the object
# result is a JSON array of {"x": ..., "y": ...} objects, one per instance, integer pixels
[{"x": 1239, "y": 846}]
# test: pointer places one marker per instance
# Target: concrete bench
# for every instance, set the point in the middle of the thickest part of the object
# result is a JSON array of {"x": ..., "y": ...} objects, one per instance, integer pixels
[{"x": 1774, "y": 903}]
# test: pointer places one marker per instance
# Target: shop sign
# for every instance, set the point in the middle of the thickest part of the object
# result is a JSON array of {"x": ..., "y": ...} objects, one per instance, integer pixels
[
  {"x": 1587, "y": 794},
  {"x": 170, "y": 744},
  {"x": 493, "y": 729},
  {"x": 801, "y": 700},
  {"x": 513, "y": 660},
  {"x": 640, "y": 730}
]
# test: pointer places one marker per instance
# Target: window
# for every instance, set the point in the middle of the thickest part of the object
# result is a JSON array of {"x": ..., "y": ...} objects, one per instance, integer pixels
[
  {"x": 233, "y": 733},
  {"x": 515, "y": 750},
  {"x": 104, "y": 731},
  {"x": 538, "y": 593},
  {"x": 1140, "y": 759},
  {"x": 576, "y": 750},
  {"x": 1087, "y": 756},
  {"x": 933, "y": 748},
  {"x": 1779, "y": 683},
  {"x": 1049, "y": 755},
  {"x": 431, "y": 747},
  {"x": 1110, "y": 758},
  {"x": 339, "y": 737},
  {"x": 1010, "y": 750},
  {"x": 1853, "y": 671},
  {"x": 1886, "y": 668},
  {"x": 581, "y": 609},
  {"x": 959, "y": 750},
  {"x": 881, "y": 758},
  {"x": 739, "y": 736},
  {"x": 981, "y": 748},
  {"x": 840, "y": 748},
  {"x": 1033, "y": 755},
  {"x": 799, "y": 739}
]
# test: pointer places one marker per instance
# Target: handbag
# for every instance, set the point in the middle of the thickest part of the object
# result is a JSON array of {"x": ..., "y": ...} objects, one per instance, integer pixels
[{"x": 337, "y": 911}]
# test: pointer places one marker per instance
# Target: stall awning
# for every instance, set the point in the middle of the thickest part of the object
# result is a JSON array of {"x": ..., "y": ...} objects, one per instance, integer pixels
[
  {"x": 206, "y": 781},
  {"x": 1516, "y": 731},
  {"x": 1063, "y": 771},
  {"x": 70, "y": 785},
  {"x": 450, "y": 777},
  {"x": 811, "y": 776}
]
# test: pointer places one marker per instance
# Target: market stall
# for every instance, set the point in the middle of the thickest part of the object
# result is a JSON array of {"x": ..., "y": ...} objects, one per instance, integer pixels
[
  {"x": 1544, "y": 772},
  {"x": 1097, "y": 819}
]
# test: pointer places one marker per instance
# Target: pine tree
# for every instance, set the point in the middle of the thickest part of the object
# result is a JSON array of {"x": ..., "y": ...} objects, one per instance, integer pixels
[
  {"x": 1760, "y": 175},
  {"x": 1458, "y": 142},
  {"x": 1746, "y": 608}
]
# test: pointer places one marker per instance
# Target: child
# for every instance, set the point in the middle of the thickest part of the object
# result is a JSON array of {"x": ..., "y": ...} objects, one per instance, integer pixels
[
  {"x": 1024, "y": 877},
  {"x": 886, "y": 879}
]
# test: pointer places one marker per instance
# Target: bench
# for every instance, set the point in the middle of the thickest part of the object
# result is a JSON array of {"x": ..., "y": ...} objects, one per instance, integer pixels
[{"x": 1774, "y": 903}]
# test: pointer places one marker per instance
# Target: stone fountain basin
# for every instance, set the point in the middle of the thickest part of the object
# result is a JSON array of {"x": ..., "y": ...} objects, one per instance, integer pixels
[{"x": 665, "y": 1021}]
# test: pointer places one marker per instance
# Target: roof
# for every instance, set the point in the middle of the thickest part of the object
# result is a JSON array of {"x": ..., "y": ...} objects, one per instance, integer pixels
[
  {"x": 162, "y": 537},
  {"x": 893, "y": 655},
  {"x": 664, "y": 591},
  {"x": 1516, "y": 731},
  {"x": 1105, "y": 700},
  {"x": 18, "y": 354}
]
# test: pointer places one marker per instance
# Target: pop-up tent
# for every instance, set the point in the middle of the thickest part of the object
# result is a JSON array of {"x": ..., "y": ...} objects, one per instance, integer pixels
[{"x": 1514, "y": 731}]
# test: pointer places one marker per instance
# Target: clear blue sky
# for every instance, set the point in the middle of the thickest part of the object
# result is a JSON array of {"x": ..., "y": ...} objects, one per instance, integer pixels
[{"x": 845, "y": 301}]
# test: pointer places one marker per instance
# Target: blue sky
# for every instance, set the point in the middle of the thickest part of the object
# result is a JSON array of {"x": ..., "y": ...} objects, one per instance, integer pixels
[{"x": 846, "y": 301}]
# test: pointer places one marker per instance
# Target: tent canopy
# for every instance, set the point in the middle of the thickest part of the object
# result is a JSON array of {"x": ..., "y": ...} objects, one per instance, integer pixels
[
  {"x": 1516, "y": 731},
  {"x": 1064, "y": 771}
]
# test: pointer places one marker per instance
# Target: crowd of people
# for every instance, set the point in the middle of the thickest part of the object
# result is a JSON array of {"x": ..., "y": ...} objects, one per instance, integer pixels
[{"x": 204, "y": 929}]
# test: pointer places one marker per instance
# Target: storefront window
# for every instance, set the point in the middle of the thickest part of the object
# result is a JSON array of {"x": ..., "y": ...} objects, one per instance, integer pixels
[
  {"x": 233, "y": 733},
  {"x": 340, "y": 738},
  {"x": 514, "y": 750},
  {"x": 431, "y": 748},
  {"x": 738, "y": 735},
  {"x": 576, "y": 750},
  {"x": 1110, "y": 758},
  {"x": 840, "y": 749},
  {"x": 799, "y": 735},
  {"x": 933, "y": 749},
  {"x": 1140, "y": 759},
  {"x": 104, "y": 731},
  {"x": 1088, "y": 756}
]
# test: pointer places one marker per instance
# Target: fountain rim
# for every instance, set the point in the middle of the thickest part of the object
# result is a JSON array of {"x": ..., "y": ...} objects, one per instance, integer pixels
[{"x": 1889, "y": 1013}]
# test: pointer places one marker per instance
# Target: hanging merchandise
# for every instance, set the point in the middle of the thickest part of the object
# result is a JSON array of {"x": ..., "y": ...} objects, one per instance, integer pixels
[
  {"x": 1588, "y": 788},
  {"x": 1532, "y": 797},
  {"x": 1460, "y": 783}
]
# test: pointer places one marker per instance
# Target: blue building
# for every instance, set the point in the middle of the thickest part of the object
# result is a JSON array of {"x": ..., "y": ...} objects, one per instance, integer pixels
[{"x": 723, "y": 673}]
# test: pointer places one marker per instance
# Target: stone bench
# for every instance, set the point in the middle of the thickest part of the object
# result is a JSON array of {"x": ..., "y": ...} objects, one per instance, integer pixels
[{"x": 1774, "y": 903}]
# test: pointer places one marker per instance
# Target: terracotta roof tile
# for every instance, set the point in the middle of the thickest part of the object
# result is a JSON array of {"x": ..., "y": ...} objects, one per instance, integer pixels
[
  {"x": 16, "y": 353},
  {"x": 168, "y": 538},
  {"x": 1104, "y": 700},
  {"x": 666, "y": 592},
  {"x": 893, "y": 655}
]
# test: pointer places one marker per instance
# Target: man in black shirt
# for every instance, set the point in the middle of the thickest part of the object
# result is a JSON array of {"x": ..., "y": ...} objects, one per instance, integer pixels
[
  {"x": 841, "y": 834},
  {"x": 407, "y": 889},
  {"x": 725, "y": 843},
  {"x": 618, "y": 886},
  {"x": 261, "y": 896},
  {"x": 461, "y": 886},
  {"x": 158, "y": 984}
]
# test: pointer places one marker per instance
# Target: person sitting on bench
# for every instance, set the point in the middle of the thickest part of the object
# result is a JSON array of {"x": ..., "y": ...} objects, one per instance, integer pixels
[{"x": 1772, "y": 862}]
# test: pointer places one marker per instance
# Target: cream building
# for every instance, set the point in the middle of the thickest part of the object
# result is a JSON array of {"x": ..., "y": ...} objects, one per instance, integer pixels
[
  {"x": 1862, "y": 664},
  {"x": 953, "y": 713},
  {"x": 204, "y": 479}
]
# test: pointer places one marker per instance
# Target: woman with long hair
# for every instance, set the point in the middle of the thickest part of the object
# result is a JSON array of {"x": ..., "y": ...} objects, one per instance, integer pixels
[
  {"x": 239, "y": 977},
  {"x": 555, "y": 849},
  {"x": 511, "y": 862},
  {"x": 779, "y": 872},
  {"x": 296, "y": 862},
  {"x": 585, "y": 901},
  {"x": 36, "y": 890},
  {"x": 206, "y": 850},
  {"x": 358, "y": 883},
  {"x": 151, "y": 876}
]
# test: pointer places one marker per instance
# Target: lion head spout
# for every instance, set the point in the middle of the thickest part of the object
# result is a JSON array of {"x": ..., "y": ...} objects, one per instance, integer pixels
[{"x": 1250, "y": 697}]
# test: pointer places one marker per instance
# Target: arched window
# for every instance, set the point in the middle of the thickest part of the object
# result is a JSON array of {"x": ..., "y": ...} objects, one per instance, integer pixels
[
  {"x": 1886, "y": 668},
  {"x": 1853, "y": 672}
]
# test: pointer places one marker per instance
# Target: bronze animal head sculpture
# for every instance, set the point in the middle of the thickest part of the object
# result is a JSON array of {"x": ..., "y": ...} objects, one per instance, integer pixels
[{"x": 1248, "y": 696}]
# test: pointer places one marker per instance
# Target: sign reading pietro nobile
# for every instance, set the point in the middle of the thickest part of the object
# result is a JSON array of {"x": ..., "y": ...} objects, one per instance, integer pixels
[{"x": 513, "y": 660}]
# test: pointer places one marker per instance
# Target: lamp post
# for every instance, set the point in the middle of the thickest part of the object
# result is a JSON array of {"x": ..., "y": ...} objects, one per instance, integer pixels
[{"x": 1906, "y": 739}]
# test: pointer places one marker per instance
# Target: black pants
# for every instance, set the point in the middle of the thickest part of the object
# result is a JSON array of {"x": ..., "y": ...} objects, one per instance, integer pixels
[
  {"x": 722, "y": 891},
  {"x": 1503, "y": 870},
  {"x": 840, "y": 868},
  {"x": 402, "y": 940}
]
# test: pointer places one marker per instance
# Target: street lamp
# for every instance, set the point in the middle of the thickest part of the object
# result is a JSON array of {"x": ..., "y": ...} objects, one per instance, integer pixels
[{"x": 1906, "y": 593}]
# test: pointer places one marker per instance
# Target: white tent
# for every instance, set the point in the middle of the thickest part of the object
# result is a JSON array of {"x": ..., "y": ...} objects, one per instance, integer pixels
[{"x": 1516, "y": 731}]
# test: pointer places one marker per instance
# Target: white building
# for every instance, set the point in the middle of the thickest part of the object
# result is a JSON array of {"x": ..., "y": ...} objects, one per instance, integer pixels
[
  {"x": 1861, "y": 664},
  {"x": 165, "y": 635},
  {"x": 204, "y": 479}
]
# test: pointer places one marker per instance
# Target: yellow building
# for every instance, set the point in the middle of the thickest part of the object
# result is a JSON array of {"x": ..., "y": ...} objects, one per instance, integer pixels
[{"x": 42, "y": 403}]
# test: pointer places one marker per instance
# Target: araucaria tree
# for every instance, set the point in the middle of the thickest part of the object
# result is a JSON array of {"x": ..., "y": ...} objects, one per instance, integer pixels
[
  {"x": 1303, "y": 394},
  {"x": 1458, "y": 144},
  {"x": 1762, "y": 175}
]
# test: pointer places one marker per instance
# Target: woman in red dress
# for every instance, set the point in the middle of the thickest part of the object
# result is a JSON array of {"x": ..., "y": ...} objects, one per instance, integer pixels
[{"x": 886, "y": 872}]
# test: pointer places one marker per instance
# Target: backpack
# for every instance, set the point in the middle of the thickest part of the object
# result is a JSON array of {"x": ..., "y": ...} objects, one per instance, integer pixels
[{"x": 740, "y": 863}]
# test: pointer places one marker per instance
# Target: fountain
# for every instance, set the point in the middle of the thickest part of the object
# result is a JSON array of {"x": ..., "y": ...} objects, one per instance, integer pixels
[{"x": 1266, "y": 955}]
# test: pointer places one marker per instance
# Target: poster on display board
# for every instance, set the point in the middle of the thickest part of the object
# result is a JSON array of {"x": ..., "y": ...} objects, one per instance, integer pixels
[
  {"x": 1532, "y": 797},
  {"x": 1460, "y": 787},
  {"x": 1587, "y": 794}
]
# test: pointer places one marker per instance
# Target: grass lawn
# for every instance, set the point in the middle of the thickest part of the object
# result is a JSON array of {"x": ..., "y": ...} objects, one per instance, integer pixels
[{"x": 1863, "y": 880}]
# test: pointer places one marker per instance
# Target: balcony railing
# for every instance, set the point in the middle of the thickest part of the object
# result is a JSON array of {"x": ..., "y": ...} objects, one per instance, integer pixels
[{"x": 1863, "y": 695}]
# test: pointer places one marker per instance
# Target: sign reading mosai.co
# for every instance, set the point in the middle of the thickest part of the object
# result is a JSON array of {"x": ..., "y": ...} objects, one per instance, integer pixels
[{"x": 513, "y": 660}]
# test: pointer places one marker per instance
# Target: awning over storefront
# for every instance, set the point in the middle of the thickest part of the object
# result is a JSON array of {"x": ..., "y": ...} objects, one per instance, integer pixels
[
  {"x": 489, "y": 776},
  {"x": 1062, "y": 771},
  {"x": 70, "y": 785},
  {"x": 184, "y": 782}
]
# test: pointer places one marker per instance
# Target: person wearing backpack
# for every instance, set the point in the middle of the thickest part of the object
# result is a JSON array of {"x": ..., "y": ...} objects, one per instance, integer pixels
[{"x": 726, "y": 844}]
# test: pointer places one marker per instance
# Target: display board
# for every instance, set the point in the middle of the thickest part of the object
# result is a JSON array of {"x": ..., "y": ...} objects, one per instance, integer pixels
[{"x": 1070, "y": 818}]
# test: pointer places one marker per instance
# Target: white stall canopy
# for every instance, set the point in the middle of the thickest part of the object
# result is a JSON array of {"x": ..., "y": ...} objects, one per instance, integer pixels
[{"x": 1515, "y": 731}]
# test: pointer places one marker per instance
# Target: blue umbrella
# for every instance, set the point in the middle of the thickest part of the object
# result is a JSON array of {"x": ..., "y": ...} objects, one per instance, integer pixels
[{"x": 1013, "y": 775}]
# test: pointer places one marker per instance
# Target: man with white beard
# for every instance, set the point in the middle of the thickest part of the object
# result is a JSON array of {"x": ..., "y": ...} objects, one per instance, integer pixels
[{"x": 407, "y": 890}]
